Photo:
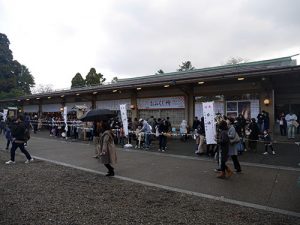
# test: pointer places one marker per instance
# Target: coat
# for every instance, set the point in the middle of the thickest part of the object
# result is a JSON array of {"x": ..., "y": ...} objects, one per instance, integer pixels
[
  {"x": 107, "y": 148},
  {"x": 233, "y": 147}
]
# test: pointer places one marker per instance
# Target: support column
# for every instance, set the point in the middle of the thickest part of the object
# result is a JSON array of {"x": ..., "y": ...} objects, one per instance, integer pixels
[{"x": 133, "y": 107}]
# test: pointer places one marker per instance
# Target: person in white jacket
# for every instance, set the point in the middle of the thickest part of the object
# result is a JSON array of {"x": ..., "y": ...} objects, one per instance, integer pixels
[{"x": 291, "y": 120}]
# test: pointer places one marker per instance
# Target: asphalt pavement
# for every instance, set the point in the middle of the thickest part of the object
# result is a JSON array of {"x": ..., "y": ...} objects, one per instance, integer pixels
[{"x": 269, "y": 182}]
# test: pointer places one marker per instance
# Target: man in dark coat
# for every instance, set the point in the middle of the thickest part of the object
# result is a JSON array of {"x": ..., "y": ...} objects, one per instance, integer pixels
[{"x": 18, "y": 133}]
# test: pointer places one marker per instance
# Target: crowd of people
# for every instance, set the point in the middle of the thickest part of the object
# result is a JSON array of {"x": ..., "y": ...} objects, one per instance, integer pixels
[{"x": 233, "y": 135}]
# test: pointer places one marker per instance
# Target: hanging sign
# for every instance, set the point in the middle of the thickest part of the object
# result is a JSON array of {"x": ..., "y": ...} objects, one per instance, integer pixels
[
  {"x": 66, "y": 118},
  {"x": 176, "y": 102},
  {"x": 209, "y": 122},
  {"x": 124, "y": 118}
]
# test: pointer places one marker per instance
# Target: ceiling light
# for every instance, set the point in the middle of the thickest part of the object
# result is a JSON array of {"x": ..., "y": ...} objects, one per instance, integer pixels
[
  {"x": 241, "y": 78},
  {"x": 114, "y": 91},
  {"x": 201, "y": 82},
  {"x": 49, "y": 97},
  {"x": 95, "y": 92},
  {"x": 27, "y": 99},
  {"x": 37, "y": 98},
  {"x": 18, "y": 100},
  {"x": 139, "y": 88},
  {"x": 167, "y": 85},
  {"x": 77, "y": 94},
  {"x": 62, "y": 96}
]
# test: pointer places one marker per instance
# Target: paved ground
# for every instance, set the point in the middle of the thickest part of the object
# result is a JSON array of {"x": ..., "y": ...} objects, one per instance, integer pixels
[{"x": 273, "y": 187}]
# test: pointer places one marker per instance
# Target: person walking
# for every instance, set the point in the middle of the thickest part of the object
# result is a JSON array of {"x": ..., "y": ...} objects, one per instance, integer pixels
[
  {"x": 107, "y": 149},
  {"x": 253, "y": 135},
  {"x": 291, "y": 120},
  {"x": 162, "y": 130},
  {"x": 268, "y": 142},
  {"x": 234, "y": 141},
  {"x": 98, "y": 130},
  {"x": 200, "y": 137},
  {"x": 8, "y": 134},
  {"x": 18, "y": 139},
  {"x": 223, "y": 142}
]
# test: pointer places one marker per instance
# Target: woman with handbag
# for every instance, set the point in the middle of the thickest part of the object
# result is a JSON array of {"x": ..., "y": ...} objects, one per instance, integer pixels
[{"x": 234, "y": 141}]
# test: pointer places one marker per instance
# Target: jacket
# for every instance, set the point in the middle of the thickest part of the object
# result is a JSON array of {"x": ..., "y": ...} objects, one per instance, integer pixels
[{"x": 107, "y": 148}]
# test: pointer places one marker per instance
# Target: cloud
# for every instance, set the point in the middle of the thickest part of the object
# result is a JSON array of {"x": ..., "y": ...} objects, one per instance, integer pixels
[{"x": 56, "y": 39}]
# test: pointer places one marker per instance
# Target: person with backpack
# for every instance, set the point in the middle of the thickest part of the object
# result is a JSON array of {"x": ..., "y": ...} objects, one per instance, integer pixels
[{"x": 18, "y": 133}]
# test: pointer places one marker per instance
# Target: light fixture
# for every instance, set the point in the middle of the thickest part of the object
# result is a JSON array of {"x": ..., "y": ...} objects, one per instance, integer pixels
[
  {"x": 95, "y": 92},
  {"x": 62, "y": 96},
  {"x": 167, "y": 85},
  {"x": 20, "y": 110},
  {"x": 27, "y": 99},
  {"x": 77, "y": 94},
  {"x": 241, "y": 78},
  {"x": 201, "y": 82},
  {"x": 266, "y": 101},
  {"x": 18, "y": 100},
  {"x": 49, "y": 97},
  {"x": 114, "y": 91},
  {"x": 37, "y": 98},
  {"x": 61, "y": 109},
  {"x": 132, "y": 107},
  {"x": 139, "y": 88}
]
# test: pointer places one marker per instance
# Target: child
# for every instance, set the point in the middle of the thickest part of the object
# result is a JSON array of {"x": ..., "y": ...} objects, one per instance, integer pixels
[{"x": 268, "y": 142}]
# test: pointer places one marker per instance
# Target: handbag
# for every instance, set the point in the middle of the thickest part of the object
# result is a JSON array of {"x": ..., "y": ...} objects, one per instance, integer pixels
[{"x": 235, "y": 140}]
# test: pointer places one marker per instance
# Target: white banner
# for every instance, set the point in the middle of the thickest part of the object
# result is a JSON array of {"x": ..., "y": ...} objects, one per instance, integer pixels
[
  {"x": 124, "y": 118},
  {"x": 66, "y": 118},
  {"x": 5, "y": 111},
  {"x": 209, "y": 122},
  {"x": 161, "y": 103}
]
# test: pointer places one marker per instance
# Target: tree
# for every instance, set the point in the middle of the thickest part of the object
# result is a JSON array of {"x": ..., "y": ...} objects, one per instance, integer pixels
[
  {"x": 114, "y": 80},
  {"x": 94, "y": 78},
  {"x": 160, "y": 71},
  {"x": 235, "y": 60},
  {"x": 187, "y": 65},
  {"x": 77, "y": 81},
  {"x": 15, "y": 78}
]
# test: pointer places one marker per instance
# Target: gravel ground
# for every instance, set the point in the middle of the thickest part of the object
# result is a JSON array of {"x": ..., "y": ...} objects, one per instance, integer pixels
[{"x": 41, "y": 193}]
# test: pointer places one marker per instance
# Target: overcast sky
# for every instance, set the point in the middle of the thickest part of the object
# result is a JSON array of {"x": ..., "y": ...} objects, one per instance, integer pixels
[{"x": 56, "y": 39}]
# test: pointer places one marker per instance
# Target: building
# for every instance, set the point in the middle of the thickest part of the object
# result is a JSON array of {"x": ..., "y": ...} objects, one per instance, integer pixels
[{"x": 270, "y": 85}]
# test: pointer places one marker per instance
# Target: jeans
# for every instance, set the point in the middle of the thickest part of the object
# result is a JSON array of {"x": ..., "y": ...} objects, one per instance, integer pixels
[
  {"x": 147, "y": 140},
  {"x": 162, "y": 142},
  {"x": 291, "y": 131},
  {"x": 283, "y": 130},
  {"x": 22, "y": 148}
]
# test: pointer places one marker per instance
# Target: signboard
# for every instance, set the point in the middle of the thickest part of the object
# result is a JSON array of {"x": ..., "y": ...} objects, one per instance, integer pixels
[
  {"x": 161, "y": 103},
  {"x": 209, "y": 122},
  {"x": 66, "y": 118},
  {"x": 124, "y": 118},
  {"x": 113, "y": 104}
]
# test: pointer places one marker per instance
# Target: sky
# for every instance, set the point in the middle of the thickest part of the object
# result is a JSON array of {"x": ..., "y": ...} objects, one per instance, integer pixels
[{"x": 55, "y": 39}]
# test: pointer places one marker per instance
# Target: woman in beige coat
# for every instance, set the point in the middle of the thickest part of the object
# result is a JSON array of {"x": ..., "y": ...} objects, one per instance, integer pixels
[{"x": 107, "y": 149}]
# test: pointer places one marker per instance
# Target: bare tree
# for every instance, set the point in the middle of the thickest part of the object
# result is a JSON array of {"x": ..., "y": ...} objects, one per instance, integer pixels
[{"x": 46, "y": 88}]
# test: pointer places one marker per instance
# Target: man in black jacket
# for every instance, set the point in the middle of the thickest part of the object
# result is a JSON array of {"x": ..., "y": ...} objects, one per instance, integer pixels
[{"x": 18, "y": 132}]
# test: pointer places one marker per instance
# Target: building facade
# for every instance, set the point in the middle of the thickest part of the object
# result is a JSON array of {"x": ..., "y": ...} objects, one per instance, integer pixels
[{"x": 248, "y": 88}]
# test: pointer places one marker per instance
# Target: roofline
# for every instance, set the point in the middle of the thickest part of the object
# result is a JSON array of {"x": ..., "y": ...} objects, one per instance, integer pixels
[{"x": 159, "y": 82}]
